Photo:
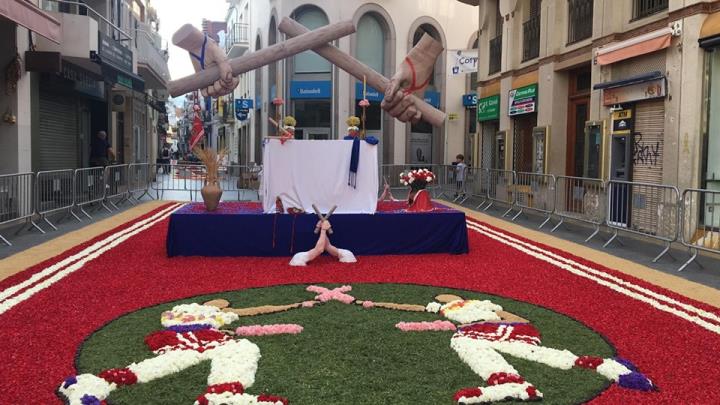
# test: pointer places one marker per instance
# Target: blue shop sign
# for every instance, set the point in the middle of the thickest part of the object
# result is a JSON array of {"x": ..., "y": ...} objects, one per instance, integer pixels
[
  {"x": 370, "y": 93},
  {"x": 469, "y": 100},
  {"x": 310, "y": 89},
  {"x": 243, "y": 104},
  {"x": 241, "y": 115},
  {"x": 432, "y": 98}
]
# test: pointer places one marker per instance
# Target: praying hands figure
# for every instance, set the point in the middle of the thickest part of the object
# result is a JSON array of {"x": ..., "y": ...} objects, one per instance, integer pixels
[{"x": 323, "y": 245}]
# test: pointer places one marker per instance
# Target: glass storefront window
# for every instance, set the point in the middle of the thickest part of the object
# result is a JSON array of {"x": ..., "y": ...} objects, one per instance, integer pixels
[
  {"x": 309, "y": 61},
  {"x": 373, "y": 116},
  {"x": 312, "y": 113}
]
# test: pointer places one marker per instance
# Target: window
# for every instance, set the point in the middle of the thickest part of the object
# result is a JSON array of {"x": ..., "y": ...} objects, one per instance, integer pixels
[
  {"x": 531, "y": 32},
  {"x": 312, "y": 113},
  {"x": 371, "y": 42},
  {"x": 580, "y": 20},
  {"x": 309, "y": 61},
  {"x": 373, "y": 116},
  {"x": 644, "y": 8},
  {"x": 495, "y": 44}
]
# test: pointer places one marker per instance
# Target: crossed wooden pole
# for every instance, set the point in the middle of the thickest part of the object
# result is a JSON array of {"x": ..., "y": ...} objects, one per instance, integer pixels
[{"x": 302, "y": 39}]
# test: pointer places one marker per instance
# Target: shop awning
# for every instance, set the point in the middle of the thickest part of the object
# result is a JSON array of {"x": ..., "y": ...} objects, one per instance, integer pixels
[
  {"x": 640, "y": 45},
  {"x": 31, "y": 17},
  {"x": 645, "y": 77},
  {"x": 710, "y": 31}
]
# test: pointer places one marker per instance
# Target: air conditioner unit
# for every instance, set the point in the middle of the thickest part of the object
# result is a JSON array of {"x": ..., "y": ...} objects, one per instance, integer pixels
[{"x": 118, "y": 102}]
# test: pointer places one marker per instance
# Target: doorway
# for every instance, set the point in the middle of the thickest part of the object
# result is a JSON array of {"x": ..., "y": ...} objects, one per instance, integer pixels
[
  {"x": 523, "y": 143},
  {"x": 578, "y": 114}
]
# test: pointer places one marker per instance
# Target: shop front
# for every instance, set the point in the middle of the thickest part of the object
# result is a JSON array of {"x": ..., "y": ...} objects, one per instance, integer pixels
[
  {"x": 312, "y": 107},
  {"x": 710, "y": 173},
  {"x": 421, "y": 135},
  {"x": 522, "y": 107},
  {"x": 373, "y": 114},
  {"x": 492, "y": 148}
]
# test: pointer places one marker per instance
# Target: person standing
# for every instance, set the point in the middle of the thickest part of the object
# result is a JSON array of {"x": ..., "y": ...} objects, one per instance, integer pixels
[
  {"x": 460, "y": 171},
  {"x": 101, "y": 152}
]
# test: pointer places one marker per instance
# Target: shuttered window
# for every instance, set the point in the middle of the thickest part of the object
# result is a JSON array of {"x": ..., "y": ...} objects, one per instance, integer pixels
[
  {"x": 58, "y": 133},
  {"x": 648, "y": 213}
]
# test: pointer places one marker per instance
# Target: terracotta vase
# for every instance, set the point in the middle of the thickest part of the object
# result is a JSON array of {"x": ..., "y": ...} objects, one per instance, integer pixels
[{"x": 211, "y": 194}]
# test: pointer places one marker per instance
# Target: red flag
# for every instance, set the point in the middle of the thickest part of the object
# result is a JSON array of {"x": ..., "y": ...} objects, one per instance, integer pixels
[{"x": 197, "y": 128}]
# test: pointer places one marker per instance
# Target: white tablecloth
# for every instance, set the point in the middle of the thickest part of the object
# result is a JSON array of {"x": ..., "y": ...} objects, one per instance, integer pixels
[{"x": 303, "y": 173}]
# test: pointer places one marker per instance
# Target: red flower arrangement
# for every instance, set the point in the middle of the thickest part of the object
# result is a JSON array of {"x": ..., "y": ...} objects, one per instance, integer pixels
[{"x": 417, "y": 179}]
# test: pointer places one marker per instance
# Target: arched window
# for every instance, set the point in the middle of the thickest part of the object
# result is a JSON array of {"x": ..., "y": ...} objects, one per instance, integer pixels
[
  {"x": 309, "y": 61},
  {"x": 430, "y": 30},
  {"x": 371, "y": 42}
]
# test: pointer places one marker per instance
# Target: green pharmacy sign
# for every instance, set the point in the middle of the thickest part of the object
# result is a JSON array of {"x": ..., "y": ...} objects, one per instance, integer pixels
[{"x": 488, "y": 108}]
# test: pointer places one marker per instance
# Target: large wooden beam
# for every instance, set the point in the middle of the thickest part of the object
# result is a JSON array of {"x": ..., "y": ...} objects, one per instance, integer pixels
[
  {"x": 358, "y": 69},
  {"x": 254, "y": 60}
]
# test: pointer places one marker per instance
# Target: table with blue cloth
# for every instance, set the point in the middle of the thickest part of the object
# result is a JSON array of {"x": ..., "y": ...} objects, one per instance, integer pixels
[{"x": 242, "y": 229}]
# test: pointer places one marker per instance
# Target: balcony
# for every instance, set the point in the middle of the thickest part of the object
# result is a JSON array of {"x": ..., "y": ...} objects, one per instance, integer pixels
[
  {"x": 495, "y": 54},
  {"x": 151, "y": 60},
  {"x": 580, "y": 23},
  {"x": 237, "y": 41},
  {"x": 531, "y": 38}
]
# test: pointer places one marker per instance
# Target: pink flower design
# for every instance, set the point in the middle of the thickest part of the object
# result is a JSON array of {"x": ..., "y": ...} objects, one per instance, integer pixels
[
  {"x": 264, "y": 330},
  {"x": 364, "y": 103},
  {"x": 425, "y": 326},
  {"x": 309, "y": 304},
  {"x": 337, "y": 294},
  {"x": 368, "y": 304}
]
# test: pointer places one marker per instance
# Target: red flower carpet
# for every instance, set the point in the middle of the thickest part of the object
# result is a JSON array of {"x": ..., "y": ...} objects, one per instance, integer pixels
[{"x": 48, "y": 310}]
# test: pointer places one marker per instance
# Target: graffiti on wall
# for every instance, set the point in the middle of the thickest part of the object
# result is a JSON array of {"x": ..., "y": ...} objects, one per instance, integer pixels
[{"x": 645, "y": 152}]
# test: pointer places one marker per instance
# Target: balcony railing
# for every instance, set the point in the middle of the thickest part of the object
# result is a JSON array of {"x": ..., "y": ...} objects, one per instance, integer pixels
[
  {"x": 495, "y": 54},
  {"x": 148, "y": 45},
  {"x": 73, "y": 7},
  {"x": 531, "y": 38},
  {"x": 238, "y": 36},
  {"x": 580, "y": 23},
  {"x": 644, "y": 8}
]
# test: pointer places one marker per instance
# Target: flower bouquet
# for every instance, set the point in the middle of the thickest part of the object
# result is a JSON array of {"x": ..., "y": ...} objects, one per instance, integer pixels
[{"x": 417, "y": 179}]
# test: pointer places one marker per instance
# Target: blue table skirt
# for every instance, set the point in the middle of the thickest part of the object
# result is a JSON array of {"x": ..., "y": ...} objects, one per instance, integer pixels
[{"x": 241, "y": 229}]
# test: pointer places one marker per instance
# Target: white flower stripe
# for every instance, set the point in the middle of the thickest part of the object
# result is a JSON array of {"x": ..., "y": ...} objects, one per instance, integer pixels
[
  {"x": 612, "y": 370},
  {"x": 165, "y": 364},
  {"x": 600, "y": 273},
  {"x": 228, "y": 398},
  {"x": 467, "y": 311},
  {"x": 495, "y": 393},
  {"x": 68, "y": 260},
  {"x": 234, "y": 361},
  {"x": 540, "y": 254},
  {"x": 188, "y": 314},
  {"x": 87, "y": 384},
  {"x": 114, "y": 241}
]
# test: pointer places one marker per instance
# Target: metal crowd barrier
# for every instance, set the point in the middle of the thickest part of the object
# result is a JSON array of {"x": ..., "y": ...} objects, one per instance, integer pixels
[
  {"x": 580, "y": 199},
  {"x": 16, "y": 200},
  {"x": 476, "y": 185},
  {"x": 536, "y": 192},
  {"x": 90, "y": 188},
  {"x": 116, "y": 184},
  {"x": 645, "y": 209},
  {"x": 140, "y": 178},
  {"x": 239, "y": 179},
  {"x": 700, "y": 225},
  {"x": 500, "y": 189},
  {"x": 55, "y": 192},
  {"x": 178, "y": 178}
]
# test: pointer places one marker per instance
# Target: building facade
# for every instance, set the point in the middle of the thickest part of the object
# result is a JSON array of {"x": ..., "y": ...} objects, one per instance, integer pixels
[
  {"x": 321, "y": 97},
  {"x": 603, "y": 89},
  {"x": 105, "y": 70}
]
